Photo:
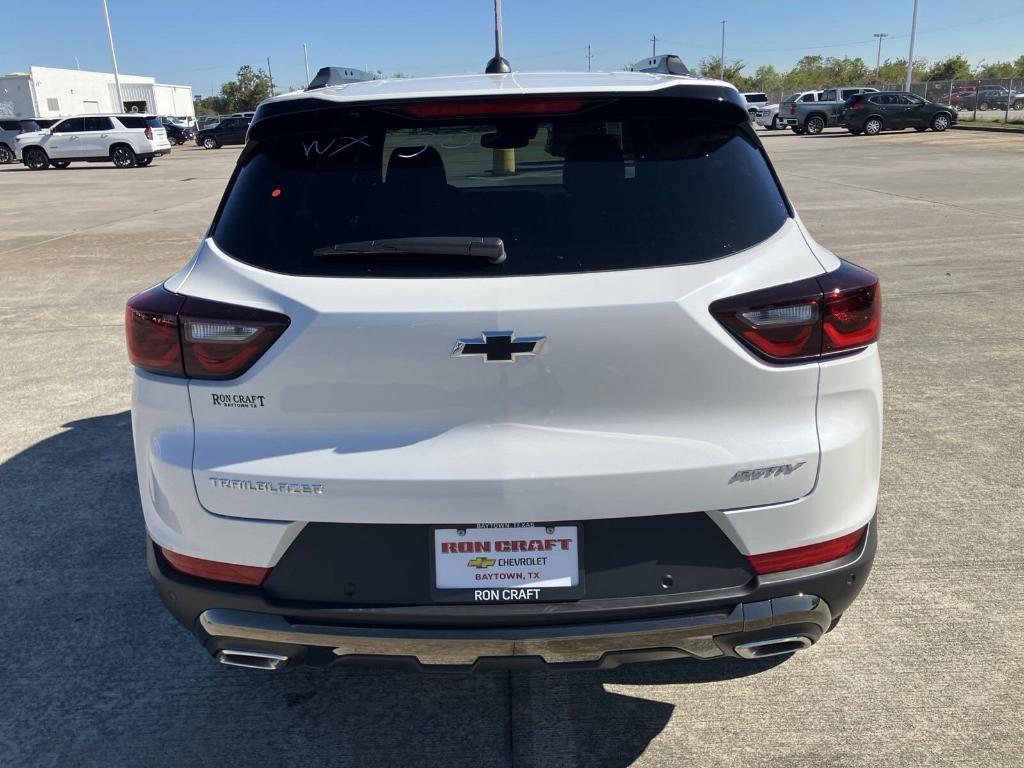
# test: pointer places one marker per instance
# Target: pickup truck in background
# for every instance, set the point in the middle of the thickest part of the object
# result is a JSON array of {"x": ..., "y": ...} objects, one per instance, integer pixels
[
  {"x": 785, "y": 112},
  {"x": 815, "y": 116}
]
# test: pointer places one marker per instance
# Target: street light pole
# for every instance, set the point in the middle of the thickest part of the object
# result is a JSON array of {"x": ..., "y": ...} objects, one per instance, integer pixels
[
  {"x": 878, "y": 59},
  {"x": 721, "y": 61},
  {"x": 113, "y": 59},
  {"x": 910, "y": 56}
]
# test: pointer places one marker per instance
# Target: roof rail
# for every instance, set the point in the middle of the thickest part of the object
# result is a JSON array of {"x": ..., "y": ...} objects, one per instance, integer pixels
[
  {"x": 665, "y": 64},
  {"x": 328, "y": 76}
]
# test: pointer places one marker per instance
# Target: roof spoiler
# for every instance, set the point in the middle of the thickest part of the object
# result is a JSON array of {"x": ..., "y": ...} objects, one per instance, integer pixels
[
  {"x": 665, "y": 64},
  {"x": 328, "y": 76}
]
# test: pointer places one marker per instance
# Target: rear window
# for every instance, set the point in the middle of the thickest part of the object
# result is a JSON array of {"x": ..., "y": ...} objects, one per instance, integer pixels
[
  {"x": 604, "y": 190},
  {"x": 140, "y": 122}
]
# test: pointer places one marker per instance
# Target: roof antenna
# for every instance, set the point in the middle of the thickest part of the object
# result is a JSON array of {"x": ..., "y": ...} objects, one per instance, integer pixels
[{"x": 499, "y": 64}]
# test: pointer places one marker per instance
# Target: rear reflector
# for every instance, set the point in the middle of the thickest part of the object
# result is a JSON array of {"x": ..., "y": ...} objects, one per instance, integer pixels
[
  {"x": 835, "y": 313},
  {"x": 802, "y": 557},
  {"x": 484, "y": 107},
  {"x": 250, "y": 575},
  {"x": 179, "y": 335}
]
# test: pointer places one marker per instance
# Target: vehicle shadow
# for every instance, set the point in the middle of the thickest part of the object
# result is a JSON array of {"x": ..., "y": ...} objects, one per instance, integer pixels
[{"x": 97, "y": 673}]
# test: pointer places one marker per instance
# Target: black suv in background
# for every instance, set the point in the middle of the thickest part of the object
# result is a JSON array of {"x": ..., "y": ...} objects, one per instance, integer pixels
[
  {"x": 873, "y": 113},
  {"x": 178, "y": 134},
  {"x": 991, "y": 97},
  {"x": 230, "y": 130}
]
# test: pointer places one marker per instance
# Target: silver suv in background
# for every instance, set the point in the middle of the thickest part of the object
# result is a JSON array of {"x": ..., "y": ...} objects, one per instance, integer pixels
[{"x": 125, "y": 140}]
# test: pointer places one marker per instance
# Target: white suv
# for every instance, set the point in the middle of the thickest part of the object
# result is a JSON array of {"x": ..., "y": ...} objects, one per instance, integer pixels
[
  {"x": 429, "y": 392},
  {"x": 125, "y": 140}
]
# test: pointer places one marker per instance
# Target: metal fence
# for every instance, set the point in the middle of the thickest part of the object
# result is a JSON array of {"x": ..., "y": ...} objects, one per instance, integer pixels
[{"x": 986, "y": 101}]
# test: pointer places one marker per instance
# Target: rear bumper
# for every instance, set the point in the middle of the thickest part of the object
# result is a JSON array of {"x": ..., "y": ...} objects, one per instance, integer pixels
[{"x": 797, "y": 606}]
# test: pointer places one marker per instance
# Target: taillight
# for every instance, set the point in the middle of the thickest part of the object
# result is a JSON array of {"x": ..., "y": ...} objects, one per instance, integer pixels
[
  {"x": 179, "y": 335},
  {"x": 249, "y": 575},
  {"x": 802, "y": 557},
  {"x": 149, "y": 133},
  {"x": 832, "y": 314},
  {"x": 856, "y": 104}
]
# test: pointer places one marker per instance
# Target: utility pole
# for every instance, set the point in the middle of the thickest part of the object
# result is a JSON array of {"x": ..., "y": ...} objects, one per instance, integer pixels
[
  {"x": 113, "y": 59},
  {"x": 878, "y": 58},
  {"x": 654, "y": 46},
  {"x": 910, "y": 56},
  {"x": 721, "y": 69},
  {"x": 305, "y": 57},
  {"x": 270, "y": 74},
  {"x": 589, "y": 57}
]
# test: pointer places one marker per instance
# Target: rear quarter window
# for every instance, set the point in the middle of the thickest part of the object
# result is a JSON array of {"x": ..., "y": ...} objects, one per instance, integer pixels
[{"x": 605, "y": 191}]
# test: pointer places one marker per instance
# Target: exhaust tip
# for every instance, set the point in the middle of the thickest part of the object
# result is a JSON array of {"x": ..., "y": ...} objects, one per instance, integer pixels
[
  {"x": 779, "y": 646},
  {"x": 252, "y": 659}
]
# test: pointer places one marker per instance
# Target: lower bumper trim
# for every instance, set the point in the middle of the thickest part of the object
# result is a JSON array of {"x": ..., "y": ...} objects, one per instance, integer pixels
[{"x": 702, "y": 635}]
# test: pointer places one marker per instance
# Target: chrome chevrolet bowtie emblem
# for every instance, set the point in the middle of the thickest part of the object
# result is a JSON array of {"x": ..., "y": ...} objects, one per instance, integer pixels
[{"x": 498, "y": 346}]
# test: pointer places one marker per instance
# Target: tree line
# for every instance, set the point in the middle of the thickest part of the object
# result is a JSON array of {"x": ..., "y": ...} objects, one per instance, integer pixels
[
  {"x": 812, "y": 72},
  {"x": 251, "y": 86}
]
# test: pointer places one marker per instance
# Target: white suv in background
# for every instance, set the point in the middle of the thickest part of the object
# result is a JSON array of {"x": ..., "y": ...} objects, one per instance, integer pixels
[
  {"x": 612, "y": 403},
  {"x": 125, "y": 140}
]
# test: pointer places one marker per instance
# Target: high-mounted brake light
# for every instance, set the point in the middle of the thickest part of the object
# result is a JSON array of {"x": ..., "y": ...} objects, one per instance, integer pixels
[
  {"x": 249, "y": 575},
  {"x": 832, "y": 314},
  {"x": 802, "y": 557},
  {"x": 179, "y": 335},
  {"x": 488, "y": 107}
]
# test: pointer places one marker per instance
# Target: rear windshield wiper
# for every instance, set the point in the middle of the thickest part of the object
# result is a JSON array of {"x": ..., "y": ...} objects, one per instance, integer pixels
[{"x": 490, "y": 248}]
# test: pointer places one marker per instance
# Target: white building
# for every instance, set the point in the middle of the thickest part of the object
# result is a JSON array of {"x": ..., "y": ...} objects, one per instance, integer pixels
[{"x": 52, "y": 92}]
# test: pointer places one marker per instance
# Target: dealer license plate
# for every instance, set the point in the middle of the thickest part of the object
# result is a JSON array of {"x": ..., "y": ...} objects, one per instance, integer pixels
[{"x": 507, "y": 564}]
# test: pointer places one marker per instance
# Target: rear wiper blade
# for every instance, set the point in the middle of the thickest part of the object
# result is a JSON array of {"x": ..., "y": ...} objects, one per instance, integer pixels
[{"x": 490, "y": 248}]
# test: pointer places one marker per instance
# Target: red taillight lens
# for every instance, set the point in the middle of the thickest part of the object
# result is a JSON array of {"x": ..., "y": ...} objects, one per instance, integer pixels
[
  {"x": 149, "y": 132},
  {"x": 856, "y": 105},
  {"x": 249, "y": 575},
  {"x": 185, "y": 336},
  {"x": 485, "y": 107},
  {"x": 151, "y": 328},
  {"x": 802, "y": 557},
  {"x": 835, "y": 313}
]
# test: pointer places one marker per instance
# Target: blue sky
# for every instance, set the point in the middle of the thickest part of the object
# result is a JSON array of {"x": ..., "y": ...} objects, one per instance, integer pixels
[{"x": 202, "y": 44}]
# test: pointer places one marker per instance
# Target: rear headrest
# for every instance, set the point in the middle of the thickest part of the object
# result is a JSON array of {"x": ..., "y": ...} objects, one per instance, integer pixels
[
  {"x": 417, "y": 166},
  {"x": 592, "y": 163}
]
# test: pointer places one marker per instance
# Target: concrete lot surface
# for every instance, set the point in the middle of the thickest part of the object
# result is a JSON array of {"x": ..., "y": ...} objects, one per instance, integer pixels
[{"x": 927, "y": 668}]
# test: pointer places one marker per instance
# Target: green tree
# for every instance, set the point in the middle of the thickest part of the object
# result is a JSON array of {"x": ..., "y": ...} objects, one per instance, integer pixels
[
  {"x": 712, "y": 67},
  {"x": 996, "y": 69},
  {"x": 767, "y": 78},
  {"x": 894, "y": 72},
  {"x": 249, "y": 88},
  {"x": 951, "y": 68}
]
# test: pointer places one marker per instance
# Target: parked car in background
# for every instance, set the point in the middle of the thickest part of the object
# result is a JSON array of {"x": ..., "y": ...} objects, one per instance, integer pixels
[
  {"x": 770, "y": 116},
  {"x": 754, "y": 101},
  {"x": 787, "y": 109},
  {"x": 230, "y": 130},
  {"x": 872, "y": 113},
  {"x": 207, "y": 121},
  {"x": 126, "y": 140},
  {"x": 178, "y": 133},
  {"x": 824, "y": 112},
  {"x": 991, "y": 97}
]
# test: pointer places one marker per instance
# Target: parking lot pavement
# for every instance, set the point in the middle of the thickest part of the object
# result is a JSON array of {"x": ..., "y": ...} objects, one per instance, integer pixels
[{"x": 927, "y": 668}]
